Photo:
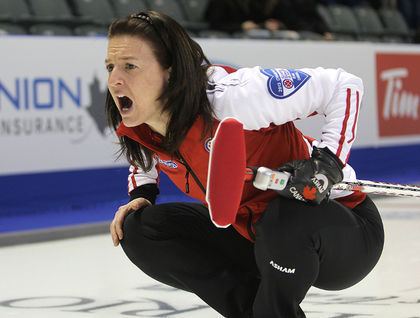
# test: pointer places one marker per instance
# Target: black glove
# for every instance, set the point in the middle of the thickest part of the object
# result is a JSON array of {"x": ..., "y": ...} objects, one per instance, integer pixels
[{"x": 311, "y": 180}]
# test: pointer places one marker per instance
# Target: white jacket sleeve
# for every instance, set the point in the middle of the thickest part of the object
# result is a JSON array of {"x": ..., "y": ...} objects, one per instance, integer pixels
[
  {"x": 260, "y": 97},
  {"x": 138, "y": 177}
]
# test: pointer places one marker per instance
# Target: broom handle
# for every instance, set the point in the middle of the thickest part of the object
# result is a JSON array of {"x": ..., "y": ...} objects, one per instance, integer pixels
[{"x": 264, "y": 179}]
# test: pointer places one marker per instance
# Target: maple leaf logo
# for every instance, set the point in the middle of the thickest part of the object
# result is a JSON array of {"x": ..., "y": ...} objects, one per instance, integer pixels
[
  {"x": 97, "y": 108},
  {"x": 309, "y": 193}
]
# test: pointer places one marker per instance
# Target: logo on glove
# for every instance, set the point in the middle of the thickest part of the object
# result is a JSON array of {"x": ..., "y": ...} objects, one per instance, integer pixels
[
  {"x": 309, "y": 193},
  {"x": 321, "y": 182},
  {"x": 295, "y": 193}
]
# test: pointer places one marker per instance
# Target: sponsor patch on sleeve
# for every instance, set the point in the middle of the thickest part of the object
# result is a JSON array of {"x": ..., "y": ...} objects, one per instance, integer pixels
[{"x": 282, "y": 83}]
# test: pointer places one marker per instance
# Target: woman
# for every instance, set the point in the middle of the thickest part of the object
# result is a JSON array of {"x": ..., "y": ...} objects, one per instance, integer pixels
[
  {"x": 244, "y": 15},
  {"x": 303, "y": 16},
  {"x": 165, "y": 101}
]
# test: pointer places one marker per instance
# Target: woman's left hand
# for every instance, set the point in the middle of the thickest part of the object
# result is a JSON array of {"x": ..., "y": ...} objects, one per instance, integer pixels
[
  {"x": 312, "y": 180},
  {"x": 116, "y": 226}
]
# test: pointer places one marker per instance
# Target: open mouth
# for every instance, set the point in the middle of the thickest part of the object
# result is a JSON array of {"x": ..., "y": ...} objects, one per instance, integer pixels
[{"x": 125, "y": 103}]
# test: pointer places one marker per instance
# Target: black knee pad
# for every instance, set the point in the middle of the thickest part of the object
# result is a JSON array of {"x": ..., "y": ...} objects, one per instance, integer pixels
[
  {"x": 139, "y": 239},
  {"x": 150, "y": 222},
  {"x": 131, "y": 228}
]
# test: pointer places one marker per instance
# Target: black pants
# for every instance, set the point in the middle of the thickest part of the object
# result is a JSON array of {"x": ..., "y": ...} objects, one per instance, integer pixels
[{"x": 297, "y": 246}]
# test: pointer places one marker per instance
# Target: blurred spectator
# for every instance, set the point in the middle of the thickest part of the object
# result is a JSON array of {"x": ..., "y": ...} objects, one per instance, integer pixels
[
  {"x": 410, "y": 9},
  {"x": 243, "y": 15},
  {"x": 350, "y": 3},
  {"x": 389, "y": 3},
  {"x": 376, "y": 4},
  {"x": 302, "y": 15}
]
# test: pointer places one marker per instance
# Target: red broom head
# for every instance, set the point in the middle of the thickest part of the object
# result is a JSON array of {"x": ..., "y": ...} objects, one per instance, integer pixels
[{"x": 227, "y": 164}]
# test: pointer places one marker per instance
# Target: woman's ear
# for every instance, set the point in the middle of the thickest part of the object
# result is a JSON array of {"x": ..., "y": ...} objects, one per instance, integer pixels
[{"x": 168, "y": 74}]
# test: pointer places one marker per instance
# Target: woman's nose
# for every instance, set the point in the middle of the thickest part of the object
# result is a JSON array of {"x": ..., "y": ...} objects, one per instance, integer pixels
[{"x": 115, "y": 79}]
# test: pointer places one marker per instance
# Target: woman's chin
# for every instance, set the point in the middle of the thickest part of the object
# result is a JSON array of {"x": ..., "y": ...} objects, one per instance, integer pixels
[{"x": 128, "y": 122}]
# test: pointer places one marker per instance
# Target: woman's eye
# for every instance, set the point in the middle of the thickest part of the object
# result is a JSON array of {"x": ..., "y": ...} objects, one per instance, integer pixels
[
  {"x": 109, "y": 68},
  {"x": 129, "y": 66}
]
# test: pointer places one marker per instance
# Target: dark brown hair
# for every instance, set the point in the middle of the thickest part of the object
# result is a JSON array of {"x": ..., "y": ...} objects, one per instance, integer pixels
[{"x": 185, "y": 97}]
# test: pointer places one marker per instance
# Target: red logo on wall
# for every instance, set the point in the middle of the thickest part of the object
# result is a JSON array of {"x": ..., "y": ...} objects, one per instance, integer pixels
[{"x": 398, "y": 91}]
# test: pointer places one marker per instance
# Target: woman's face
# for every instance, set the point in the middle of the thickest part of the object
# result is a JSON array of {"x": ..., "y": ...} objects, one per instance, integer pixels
[{"x": 136, "y": 80}]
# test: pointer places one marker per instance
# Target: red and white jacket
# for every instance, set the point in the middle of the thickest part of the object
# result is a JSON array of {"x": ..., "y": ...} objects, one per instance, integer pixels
[{"x": 266, "y": 101}]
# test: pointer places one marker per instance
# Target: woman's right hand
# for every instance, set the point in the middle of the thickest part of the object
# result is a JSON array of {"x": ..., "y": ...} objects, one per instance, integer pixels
[{"x": 117, "y": 223}]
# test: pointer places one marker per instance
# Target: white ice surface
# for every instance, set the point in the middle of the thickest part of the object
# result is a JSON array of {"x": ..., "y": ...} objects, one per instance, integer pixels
[{"x": 88, "y": 277}]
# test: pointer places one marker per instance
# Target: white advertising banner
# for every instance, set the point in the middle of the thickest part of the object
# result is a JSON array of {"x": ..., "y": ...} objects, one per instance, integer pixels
[{"x": 52, "y": 94}]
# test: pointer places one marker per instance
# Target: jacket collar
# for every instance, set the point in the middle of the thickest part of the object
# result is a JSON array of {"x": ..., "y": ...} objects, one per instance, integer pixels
[{"x": 144, "y": 135}]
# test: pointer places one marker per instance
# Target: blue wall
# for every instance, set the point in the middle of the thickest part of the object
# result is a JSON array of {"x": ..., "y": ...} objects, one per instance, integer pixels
[{"x": 37, "y": 201}]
